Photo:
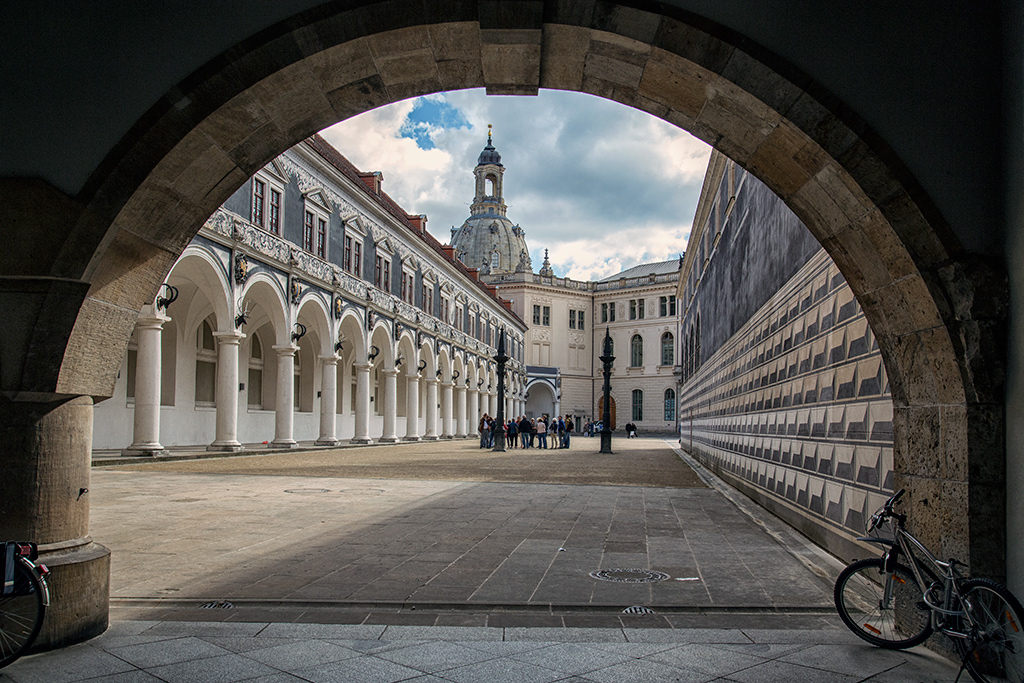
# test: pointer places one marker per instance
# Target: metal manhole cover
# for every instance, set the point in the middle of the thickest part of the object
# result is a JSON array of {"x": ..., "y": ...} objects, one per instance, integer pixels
[
  {"x": 307, "y": 490},
  {"x": 638, "y": 609},
  {"x": 629, "y": 575}
]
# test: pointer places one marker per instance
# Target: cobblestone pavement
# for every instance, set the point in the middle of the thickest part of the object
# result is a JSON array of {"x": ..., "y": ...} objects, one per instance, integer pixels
[{"x": 267, "y": 569}]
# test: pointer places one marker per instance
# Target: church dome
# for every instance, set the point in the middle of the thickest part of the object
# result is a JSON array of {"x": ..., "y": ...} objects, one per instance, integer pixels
[{"x": 489, "y": 155}]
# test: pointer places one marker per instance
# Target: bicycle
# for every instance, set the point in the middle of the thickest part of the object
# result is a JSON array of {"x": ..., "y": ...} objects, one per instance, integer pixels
[
  {"x": 896, "y": 606},
  {"x": 23, "y": 599}
]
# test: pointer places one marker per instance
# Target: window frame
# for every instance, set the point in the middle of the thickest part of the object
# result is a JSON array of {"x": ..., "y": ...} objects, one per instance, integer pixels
[
  {"x": 670, "y": 405},
  {"x": 261, "y": 207},
  {"x": 637, "y": 405},
  {"x": 636, "y": 351},
  {"x": 671, "y": 349}
]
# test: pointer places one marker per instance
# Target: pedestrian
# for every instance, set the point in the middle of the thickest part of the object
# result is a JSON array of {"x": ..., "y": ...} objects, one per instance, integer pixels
[
  {"x": 542, "y": 433},
  {"x": 533, "y": 431},
  {"x": 568, "y": 429},
  {"x": 524, "y": 431},
  {"x": 561, "y": 432},
  {"x": 492, "y": 428},
  {"x": 483, "y": 429},
  {"x": 513, "y": 431}
]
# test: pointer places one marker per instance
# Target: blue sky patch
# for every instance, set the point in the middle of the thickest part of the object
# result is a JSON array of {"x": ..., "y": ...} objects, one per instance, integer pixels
[{"x": 429, "y": 115}]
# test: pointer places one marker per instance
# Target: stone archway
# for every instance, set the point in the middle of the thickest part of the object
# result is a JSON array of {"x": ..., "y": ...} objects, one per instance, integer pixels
[
  {"x": 936, "y": 311},
  {"x": 611, "y": 409}
]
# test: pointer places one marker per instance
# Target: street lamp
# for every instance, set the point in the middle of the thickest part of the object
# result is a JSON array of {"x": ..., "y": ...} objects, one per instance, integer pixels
[
  {"x": 606, "y": 417},
  {"x": 501, "y": 358}
]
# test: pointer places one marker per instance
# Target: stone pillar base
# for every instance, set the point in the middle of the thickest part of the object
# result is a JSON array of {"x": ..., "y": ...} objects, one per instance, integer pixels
[
  {"x": 410, "y": 438},
  {"x": 79, "y": 593},
  {"x": 432, "y": 437},
  {"x": 327, "y": 442},
  {"x": 361, "y": 441},
  {"x": 283, "y": 444},
  {"x": 388, "y": 439},
  {"x": 225, "y": 447}
]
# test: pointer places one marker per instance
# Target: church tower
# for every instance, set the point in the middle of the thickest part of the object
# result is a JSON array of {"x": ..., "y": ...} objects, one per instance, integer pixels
[{"x": 488, "y": 240}]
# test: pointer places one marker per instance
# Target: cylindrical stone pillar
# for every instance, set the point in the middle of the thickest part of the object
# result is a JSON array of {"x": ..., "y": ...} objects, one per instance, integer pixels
[
  {"x": 492, "y": 400},
  {"x": 430, "y": 433},
  {"x": 328, "y": 401},
  {"x": 447, "y": 414},
  {"x": 412, "y": 408},
  {"x": 146, "y": 436},
  {"x": 45, "y": 453},
  {"x": 460, "y": 413},
  {"x": 226, "y": 438},
  {"x": 362, "y": 416},
  {"x": 390, "y": 405},
  {"x": 472, "y": 411},
  {"x": 284, "y": 411}
]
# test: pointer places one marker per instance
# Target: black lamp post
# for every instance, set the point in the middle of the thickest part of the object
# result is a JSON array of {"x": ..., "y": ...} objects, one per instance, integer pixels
[
  {"x": 501, "y": 358},
  {"x": 606, "y": 414}
]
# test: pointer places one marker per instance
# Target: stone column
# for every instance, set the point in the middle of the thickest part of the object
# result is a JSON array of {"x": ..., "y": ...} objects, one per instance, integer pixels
[
  {"x": 146, "y": 437},
  {"x": 362, "y": 416},
  {"x": 447, "y": 417},
  {"x": 472, "y": 410},
  {"x": 460, "y": 413},
  {"x": 329, "y": 401},
  {"x": 492, "y": 400},
  {"x": 390, "y": 405},
  {"x": 412, "y": 408},
  {"x": 431, "y": 432},
  {"x": 227, "y": 392},
  {"x": 45, "y": 454},
  {"x": 285, "y": 409}
]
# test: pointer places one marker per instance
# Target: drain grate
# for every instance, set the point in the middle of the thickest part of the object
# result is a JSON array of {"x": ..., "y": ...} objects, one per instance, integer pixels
[
  {"x": 629, "y": 575},
  {"x": 224, "y": 604},
  {"x": 638, "y": 609}
]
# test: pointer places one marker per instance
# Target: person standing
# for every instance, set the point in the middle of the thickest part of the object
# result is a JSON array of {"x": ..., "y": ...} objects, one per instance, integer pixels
[
  {"x": 513, "y": 431},
  {"x": 524, "y": 431},
  {"x": 542, "y": 432},
  {"x": 568, "y": 430},
  {"x": 483, "y": 429}
]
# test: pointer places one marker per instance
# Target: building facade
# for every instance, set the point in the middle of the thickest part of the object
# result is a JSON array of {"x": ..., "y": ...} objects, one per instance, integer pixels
[
  {"x": 567, "y": 319},
  {"x": 784, "y": 392},
  {"x": 311, "y": 307}
]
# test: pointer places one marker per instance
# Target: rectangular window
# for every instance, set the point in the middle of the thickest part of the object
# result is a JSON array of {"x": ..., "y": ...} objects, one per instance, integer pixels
[
  {"x": 632, "y": 309},
  {"x": 604, "y": 313},
  {"x": 274, "y": 225},
  {"x": 357, "y": 259},
  {"x": 404, "y": 285},
  {"x": 259, "y": 192},
  {"x": 546, "y": 319},
  {"x": 638, "y": 405},
  {"x": 347, "y": 258},
  {"x": 572, "y": 320},
  {"x": 428, "y": 298},
  {"x": 321, "y": 239},
  {"x": 611, "y": 312},
  {"x": 662, "y": 306},
  {"x": 307, "y": 232},
  {"x": 444, "y": 309},
  {"x": 377, "y": 268},
  {"x": 536, "y": 315},
  {"x": 672, "y": 305},
  {"x": 640, "y": 308},
  {"x": 580, "y": 319},
  {"x": 385, "y": 282}
]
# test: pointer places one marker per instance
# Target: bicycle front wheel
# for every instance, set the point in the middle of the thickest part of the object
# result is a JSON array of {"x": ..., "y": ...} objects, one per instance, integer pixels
[
  {"x": 895, "y": 621},
  {"x": 994, "y": 650},
  {"x": 21, "y": 615}
]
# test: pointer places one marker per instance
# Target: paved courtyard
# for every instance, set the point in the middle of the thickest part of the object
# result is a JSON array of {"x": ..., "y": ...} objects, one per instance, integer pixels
[{"x": 340, "y": 566}]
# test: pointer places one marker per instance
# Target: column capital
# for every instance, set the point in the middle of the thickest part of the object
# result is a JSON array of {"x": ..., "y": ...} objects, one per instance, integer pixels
[
  {"x": 389, "y": 372},
  {"x": 153, "y": 320},
  {"x": 330, "y": 360},
  {"x": 432, "y": 380},
  {"x": 362, "y": 367},
  {"x": 285, "y": 349},
  {"x": 230, "y": 337}
]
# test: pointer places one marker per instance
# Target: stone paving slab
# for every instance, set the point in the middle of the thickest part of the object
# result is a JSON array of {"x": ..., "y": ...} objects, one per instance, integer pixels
[
  {"x": 199, "y": 652},
  {"x": 272, "y": 528}
]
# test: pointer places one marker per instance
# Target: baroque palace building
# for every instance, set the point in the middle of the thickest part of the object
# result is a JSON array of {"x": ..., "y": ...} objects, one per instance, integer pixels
[
  {"x": 567, "y": 319},
  {"x": 311, "y": 307},
  {"x": 784, "y": 392}
]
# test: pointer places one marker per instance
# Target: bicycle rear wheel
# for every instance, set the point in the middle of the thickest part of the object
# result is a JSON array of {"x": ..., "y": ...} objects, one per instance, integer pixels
[
  {"x": 901, "y": 622},
  {"x": 995, "y": 651},
  {"x": 21, "y": 615}
]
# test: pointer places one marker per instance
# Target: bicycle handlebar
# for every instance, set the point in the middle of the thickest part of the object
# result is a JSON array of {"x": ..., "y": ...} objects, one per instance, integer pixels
[{"x": 895, "y": 498}]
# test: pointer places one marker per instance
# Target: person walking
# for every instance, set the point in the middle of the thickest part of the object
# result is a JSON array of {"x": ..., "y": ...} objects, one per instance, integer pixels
[
  {"x": 492, "y": 429},
  {"x": 542, "y": 433}
]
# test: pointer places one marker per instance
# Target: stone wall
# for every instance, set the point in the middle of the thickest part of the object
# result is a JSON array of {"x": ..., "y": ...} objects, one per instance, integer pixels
[{"x": 794, "y": 409}]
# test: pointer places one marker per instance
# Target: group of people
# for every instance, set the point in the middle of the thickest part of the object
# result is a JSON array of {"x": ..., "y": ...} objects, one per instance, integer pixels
[{"x": 524, "y": 432}]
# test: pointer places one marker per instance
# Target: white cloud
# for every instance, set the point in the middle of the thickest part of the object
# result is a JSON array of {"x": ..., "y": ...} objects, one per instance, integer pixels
[{"x": 602, "y": 186}]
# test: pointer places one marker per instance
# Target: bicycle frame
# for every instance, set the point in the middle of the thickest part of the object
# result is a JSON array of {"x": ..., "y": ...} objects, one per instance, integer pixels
[{"x": 949, "y": 582}]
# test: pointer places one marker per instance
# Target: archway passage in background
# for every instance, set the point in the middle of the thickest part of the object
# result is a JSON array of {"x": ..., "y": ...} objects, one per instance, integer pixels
[
  {"x": 935, "y": 312},
  {"x": 611, "y": 410}
]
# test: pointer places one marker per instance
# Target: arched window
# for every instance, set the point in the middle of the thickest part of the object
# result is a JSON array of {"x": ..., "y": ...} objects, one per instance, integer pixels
[
  {"x": 206, "y": 365},
  {"x": 636, "y": 351},
  {"x": 255, "y": 388},
  {"x": 668, "y": 348},
  {"x": 638, "y": 405},
  {"x": 495, "y": 260},
  {"x": 670, "y": 405}
]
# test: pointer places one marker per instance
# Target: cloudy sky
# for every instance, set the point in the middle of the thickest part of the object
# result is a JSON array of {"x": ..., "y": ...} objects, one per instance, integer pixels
[{"x": 602, "y": 186}]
